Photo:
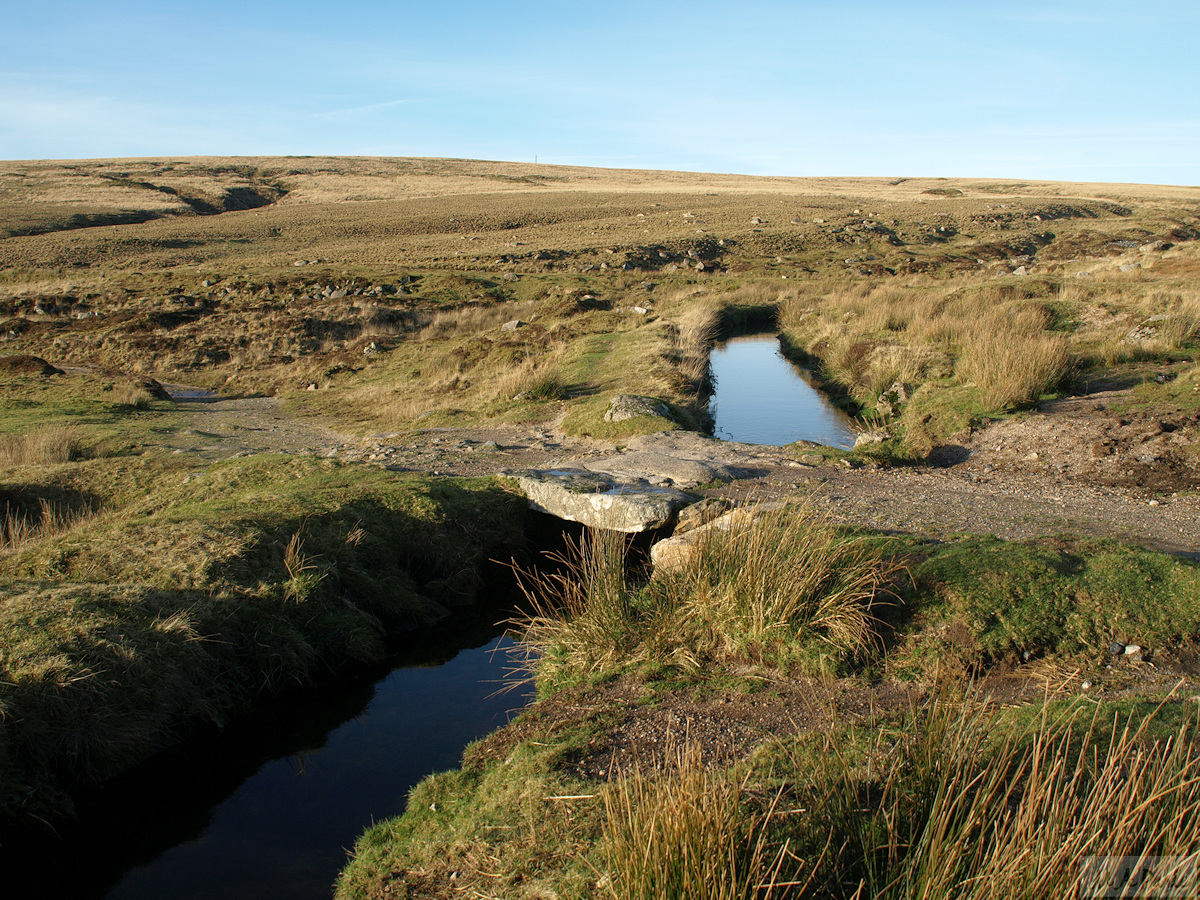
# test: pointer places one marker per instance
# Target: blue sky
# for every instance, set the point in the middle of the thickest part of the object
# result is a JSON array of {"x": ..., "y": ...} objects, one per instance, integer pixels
[{"x": 1096, "y": 91}]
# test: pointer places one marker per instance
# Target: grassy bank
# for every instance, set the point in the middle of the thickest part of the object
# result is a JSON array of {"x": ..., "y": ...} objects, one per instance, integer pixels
[
  {"x": 144, "y": 597},
  {"x": 973, "y": 781}
]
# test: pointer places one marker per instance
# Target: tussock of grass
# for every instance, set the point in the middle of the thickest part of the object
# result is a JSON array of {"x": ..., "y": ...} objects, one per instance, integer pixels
[
  {"x": 533, "y": 380},
  {"x": 1011, "y": 358},
  {"x": 789, "y": 584},
  {"x": 961, "y": 803},
  {"x": 685, "y": 834},
  {"x": 45, "y": 446},
  {"x": 18, "y": 528}
]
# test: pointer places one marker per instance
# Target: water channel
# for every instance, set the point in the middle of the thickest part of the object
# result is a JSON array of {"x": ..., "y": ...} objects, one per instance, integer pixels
[
  {"x": 762, "y": 398},
  {"x": 268, "y": 807}
]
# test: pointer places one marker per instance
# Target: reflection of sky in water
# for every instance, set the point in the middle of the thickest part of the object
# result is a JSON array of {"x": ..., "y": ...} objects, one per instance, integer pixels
[
  {"x": 761, "y": 398},
  {"x": 284, "y": 834}
]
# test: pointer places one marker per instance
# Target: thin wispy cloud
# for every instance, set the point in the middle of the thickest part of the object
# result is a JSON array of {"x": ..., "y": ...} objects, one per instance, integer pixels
[{"x": 358, "y": 112}]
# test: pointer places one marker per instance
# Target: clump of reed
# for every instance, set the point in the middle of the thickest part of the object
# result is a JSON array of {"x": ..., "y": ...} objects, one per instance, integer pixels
[
  {"x": 18, "y": 528},
  {"x": 787, "y": 574},
  {"x": 581, "y": 612},
  {"x": 1012, "y": 358},
  {"x": 45, "y": 446},
  {"x": 779, "y": 587},
  {"x": 957, "y": 800},
  {"x": 963, "y": 804},
  {"x": 686, "y": 834}
]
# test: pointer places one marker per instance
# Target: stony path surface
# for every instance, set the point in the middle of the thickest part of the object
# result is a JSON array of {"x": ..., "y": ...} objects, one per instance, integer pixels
[{"x": 989, "y": 491}]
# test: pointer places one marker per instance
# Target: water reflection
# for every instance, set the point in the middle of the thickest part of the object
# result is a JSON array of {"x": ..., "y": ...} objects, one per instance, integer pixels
[
  {"x": 761, "y": 398},
  {"x": 268, "y": 808}
]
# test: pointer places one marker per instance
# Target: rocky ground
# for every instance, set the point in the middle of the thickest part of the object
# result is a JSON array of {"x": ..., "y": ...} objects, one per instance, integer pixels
[{"x": 1076, "y": 466}]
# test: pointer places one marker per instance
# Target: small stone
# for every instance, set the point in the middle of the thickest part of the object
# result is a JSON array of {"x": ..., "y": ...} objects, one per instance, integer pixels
[
  {"x": 874, "y": 436},
  {"x": 513, "y": 325},
  {"x": 1116, "y": 648},
  {"x": 489, "y": 446},
  {"x": 1133, "y": 650},
  {"x": 1087, "y": 685}
]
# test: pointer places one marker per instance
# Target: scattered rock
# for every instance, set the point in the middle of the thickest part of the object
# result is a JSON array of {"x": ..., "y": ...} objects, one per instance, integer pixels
[
  {"x": 372, "y": 348},
  {"x": 676, "y": 550},
  {"x": 699, "y": 514},
  {"x": 600, "y": 501},
  {"x": 874, "y": 436},
  {"x": 632, "y": 406}
]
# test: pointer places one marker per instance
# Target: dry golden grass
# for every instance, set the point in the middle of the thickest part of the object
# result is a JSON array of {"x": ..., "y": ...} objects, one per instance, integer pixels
[
  {"x": 684, "y": 834},
  {"x": 1011, "y": 358},
  {"x": 18, "y": 529},
  {"x": 43, "y": 446},
  {"x": 1046, "y": 797},
  {"x": 789, "y": 583}
]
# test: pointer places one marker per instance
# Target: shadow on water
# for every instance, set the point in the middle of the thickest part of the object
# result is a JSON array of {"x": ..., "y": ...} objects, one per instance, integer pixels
[
  {"x": 760, "y": 397},
  {"x": 267, "y": 807}
]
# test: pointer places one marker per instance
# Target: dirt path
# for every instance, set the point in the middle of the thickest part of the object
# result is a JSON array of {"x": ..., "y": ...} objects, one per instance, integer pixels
[{"x": 1079, "y": 479}]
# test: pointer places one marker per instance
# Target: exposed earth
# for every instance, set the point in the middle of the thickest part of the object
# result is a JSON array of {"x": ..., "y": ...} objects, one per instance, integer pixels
[{"x": 1075, "y": 466}]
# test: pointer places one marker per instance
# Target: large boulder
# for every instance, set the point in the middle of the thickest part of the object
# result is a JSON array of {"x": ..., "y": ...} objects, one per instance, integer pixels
[
  {"x": 682, "y": 459},
  {"x": 599, "y": 500},
  {"x": 631, "y": 406}
]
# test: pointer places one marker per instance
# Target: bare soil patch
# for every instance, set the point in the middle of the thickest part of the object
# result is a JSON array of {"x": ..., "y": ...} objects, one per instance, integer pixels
[{"x": 1017, "y": 479}]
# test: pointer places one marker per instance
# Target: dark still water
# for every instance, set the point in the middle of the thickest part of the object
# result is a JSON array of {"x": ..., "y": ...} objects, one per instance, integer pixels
[
  {"x": 269, "y": 807},
  {"x": 761, "y": 398}
]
